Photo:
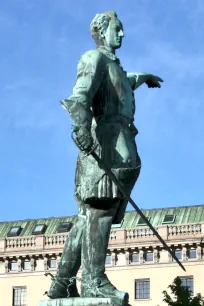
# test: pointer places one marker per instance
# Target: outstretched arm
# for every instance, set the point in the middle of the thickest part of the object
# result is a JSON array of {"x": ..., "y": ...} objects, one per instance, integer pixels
[{"x": 138, "y": 78}]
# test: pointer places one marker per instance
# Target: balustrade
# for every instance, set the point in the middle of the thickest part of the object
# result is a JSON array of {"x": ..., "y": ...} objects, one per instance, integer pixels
[
  {"x": 24, "y": 242},
  {"x": 139, "y": 233},
  {"x": 112, "y": 235},
  {"x": 184, "y": 229},
  {"x": 117, "y": 237},
  {"x": 55, "y": 240}
]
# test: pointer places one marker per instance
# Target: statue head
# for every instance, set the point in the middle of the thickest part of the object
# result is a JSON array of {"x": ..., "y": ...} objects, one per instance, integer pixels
[{"x": 107, "y": 30}]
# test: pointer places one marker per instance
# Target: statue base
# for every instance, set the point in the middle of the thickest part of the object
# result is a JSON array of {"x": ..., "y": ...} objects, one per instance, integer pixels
[{"x": 81, "y": 302}]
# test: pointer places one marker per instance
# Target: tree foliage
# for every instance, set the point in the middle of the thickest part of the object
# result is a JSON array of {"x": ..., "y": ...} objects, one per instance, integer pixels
[{"x": 181, "y": 295}]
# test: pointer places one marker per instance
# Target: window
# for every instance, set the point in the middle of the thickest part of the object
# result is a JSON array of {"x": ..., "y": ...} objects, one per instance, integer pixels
[
  {"x": 192, "y": 253},
  {"x": 26, "y": 265},
  {"x": 53, "y": 263},
  {"x": 64, "y": 227},
  {"x": 14, "y": 266},
  {"x": 148, "y": 256},
  {"x": 178, "y": 254},
  {"x": 108, "y": 259},
  {"x": 142, "y": 289},
  {"x": 135, "y": 258},
  {"x": 14, "y": 231},
  {"x": 188, "y": 283},
  {"x": 39, "y": 229},
  {"x": 19, "y": 296},
  {"x": 142, "y": 222},
  {"x": 169, "y": 219}
]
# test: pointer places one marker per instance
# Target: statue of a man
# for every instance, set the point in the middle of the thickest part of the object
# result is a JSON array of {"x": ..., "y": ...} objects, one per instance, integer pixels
[{"x": 102, "y": 108}]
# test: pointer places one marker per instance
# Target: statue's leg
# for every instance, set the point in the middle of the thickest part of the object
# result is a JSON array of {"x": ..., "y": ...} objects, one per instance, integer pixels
[
  {"x": 69, "y": 263},
  {"x": 94, "y": 249}
]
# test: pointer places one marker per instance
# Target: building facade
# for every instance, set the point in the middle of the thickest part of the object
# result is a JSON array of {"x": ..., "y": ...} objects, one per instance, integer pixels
[{"x": 136, "y": 261}]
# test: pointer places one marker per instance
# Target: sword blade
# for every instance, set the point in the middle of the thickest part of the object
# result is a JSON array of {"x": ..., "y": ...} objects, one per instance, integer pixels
[{"x": 130, "y": 200}]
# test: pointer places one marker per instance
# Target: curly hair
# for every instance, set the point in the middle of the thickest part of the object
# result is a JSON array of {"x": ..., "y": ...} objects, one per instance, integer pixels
[{"x": 100, "y": 23}]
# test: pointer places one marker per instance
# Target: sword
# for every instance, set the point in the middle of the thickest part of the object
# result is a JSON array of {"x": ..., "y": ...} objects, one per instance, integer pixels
[{"x": 127, "y": 196}]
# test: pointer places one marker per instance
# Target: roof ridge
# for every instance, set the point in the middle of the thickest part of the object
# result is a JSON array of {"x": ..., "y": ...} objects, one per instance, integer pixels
[
  {"x": 37, "y": 219},
  {"x": 166, "y": 208}
]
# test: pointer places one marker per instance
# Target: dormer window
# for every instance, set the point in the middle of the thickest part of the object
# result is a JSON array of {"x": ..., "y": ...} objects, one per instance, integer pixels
[
  {"x": 64, "y": 227},
  {"x": 168, "y": 219},
  {"x": 39, "y": 229},
  {"x": 142, "y": 222},
  {"x": 14, "y": 231}
]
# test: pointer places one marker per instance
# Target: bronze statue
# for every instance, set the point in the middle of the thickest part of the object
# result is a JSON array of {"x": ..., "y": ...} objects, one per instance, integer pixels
[{"x": 102, "y": 108}]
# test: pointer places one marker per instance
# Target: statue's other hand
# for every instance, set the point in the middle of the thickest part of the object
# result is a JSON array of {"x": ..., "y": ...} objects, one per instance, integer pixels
[
  {"x": 84, "y": 138},
  {"x": 153, "y": 81}
]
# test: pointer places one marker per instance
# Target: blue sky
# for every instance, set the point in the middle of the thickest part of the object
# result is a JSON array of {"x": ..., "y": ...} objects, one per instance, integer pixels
[{"x": 41, "y": 42}]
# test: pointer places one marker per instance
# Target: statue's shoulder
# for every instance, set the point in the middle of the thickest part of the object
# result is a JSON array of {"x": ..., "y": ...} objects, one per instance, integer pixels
[{"x": 92, "y": 57}]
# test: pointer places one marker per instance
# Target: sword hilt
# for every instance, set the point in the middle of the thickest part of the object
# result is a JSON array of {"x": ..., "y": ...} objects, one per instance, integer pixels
[{"x": 80, "y": 147}]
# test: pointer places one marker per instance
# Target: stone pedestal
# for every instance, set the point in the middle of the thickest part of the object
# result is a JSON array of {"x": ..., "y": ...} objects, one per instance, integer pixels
[{"x": 81, "y": 302}]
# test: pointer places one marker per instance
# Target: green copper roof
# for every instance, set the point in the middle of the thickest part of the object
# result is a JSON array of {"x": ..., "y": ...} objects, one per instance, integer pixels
[
  {"x": 183, "y": 215},
  {"x": 29, "y": 225}
]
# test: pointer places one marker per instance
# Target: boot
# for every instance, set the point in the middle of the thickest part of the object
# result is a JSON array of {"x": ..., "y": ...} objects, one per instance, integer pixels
[
  {"x": 94, "y": 249},
  {"x": 64, "y": 284}
]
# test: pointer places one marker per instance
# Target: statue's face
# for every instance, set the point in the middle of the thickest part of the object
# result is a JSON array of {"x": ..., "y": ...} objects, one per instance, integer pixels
[{"x": 114, "y": 34}]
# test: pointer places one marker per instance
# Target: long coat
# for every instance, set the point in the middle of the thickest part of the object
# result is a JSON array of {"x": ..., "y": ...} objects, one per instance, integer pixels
[{"x": 103, "y": 101}]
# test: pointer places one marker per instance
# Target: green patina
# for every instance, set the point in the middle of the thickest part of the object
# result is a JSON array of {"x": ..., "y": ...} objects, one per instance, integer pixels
[
  {"x": 28, "y": 226},
  {"x": 184, "y": 215},
  {"x": 102, "y": 108}
]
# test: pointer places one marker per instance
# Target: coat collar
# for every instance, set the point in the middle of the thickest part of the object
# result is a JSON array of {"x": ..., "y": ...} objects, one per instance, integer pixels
[{"x": 109, "y": 54}]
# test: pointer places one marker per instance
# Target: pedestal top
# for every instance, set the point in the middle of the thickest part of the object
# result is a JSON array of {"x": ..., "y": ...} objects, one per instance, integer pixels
[{"x": 81, "y": 302}]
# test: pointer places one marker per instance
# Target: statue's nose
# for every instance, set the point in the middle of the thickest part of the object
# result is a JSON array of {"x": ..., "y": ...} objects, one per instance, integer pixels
[{"x": 121, "y": 33}]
